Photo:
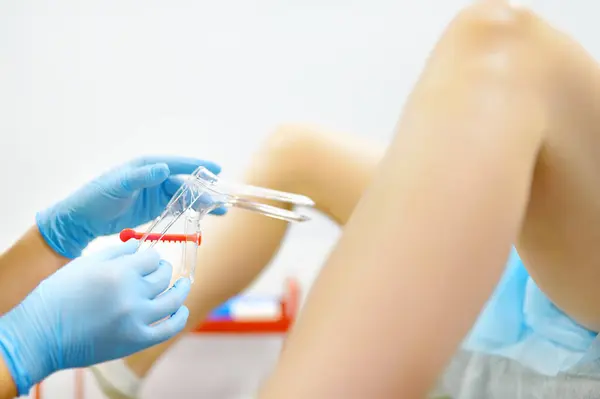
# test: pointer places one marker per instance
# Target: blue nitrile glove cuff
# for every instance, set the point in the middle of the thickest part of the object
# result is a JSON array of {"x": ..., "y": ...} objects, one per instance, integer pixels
[
  {"x": 26, "y": 355},
  {"x": 61, "y": 233},
  {"x": 10, "y": 353}
]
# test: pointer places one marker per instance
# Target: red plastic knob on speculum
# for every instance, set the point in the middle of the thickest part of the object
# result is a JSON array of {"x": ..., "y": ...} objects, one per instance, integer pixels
[{"x": 129, "y": 234}]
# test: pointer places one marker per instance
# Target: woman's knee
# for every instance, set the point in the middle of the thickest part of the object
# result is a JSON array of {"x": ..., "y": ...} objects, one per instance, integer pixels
[{"x": 284, "y": 158}]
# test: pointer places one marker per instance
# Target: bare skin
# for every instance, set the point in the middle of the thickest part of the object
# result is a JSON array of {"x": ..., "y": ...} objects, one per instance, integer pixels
[
  {"x": 331, "y": 168},
  {"x": 28, "y": 261},
  {"x": 8, "y": 389},
  {"x": 501, "y": 132},
  {"x": 489, "y": 50},
  {"x": 22, "y": 267},
  {"x": 497, "y": 144}
]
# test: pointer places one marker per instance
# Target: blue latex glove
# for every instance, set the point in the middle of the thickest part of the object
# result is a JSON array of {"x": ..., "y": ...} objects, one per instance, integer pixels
[
  {"x": 97, "y": 308},
  {"x": 125, "y": 197}
]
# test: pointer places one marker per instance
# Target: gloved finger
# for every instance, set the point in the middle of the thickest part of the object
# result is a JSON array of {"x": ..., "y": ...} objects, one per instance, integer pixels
[
  {"x": 182, "y": 165},
  {"x": 173, "y": 183},
  {"x": 206, "y": 202},
  {"x": 144, "y": 262},
  {"x": 168, "y": 302},
  {"x": 219, "y": 211},
  {"x": 158, "y": 281},
  {"x": 116, "y": 251},
  {"x": 166, "y": 329},
  {"x": 144, "y": 177}
]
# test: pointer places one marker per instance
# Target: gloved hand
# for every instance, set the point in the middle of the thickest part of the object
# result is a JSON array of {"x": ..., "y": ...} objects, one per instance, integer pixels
[
  {"x": 96, "y": 308},
  {"x": 125, "y": 197}
]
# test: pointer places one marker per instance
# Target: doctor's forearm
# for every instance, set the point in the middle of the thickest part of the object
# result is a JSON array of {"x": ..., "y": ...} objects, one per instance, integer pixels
[
  {"x": 23, "y": 266},
  {"x": 8, "y": 389}
]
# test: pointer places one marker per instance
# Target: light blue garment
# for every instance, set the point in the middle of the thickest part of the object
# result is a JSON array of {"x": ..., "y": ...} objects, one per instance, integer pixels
[{"x": 519, "y": 322}]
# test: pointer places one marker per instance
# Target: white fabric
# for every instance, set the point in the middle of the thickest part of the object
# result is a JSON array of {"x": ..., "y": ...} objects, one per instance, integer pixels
[{"x": 116, "y": 380}]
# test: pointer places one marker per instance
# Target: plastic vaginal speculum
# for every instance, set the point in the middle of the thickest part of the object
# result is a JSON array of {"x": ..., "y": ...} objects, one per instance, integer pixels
[{"x": 200, "y": 194}]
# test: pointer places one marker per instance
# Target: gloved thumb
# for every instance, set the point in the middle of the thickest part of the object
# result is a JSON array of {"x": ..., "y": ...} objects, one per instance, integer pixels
[{"x": 144, "y": 177}]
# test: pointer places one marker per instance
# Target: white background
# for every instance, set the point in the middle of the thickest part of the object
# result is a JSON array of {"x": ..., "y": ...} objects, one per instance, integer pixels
[{"x": 87, "y": 85}]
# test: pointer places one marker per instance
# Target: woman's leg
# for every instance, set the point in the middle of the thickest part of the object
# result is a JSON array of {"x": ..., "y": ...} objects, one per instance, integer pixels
[
  {"x": 330, "y": 168},
  {"x": 389, "y": 309}
]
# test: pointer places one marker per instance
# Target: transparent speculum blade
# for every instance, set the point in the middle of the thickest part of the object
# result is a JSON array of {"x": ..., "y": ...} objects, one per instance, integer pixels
[{"x": 190, "y": 247}]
